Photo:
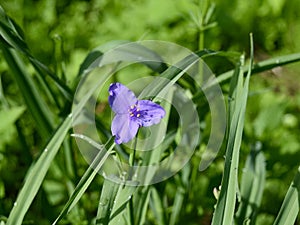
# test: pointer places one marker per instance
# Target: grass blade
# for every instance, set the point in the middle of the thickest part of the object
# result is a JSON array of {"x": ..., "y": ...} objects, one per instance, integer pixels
[
  {"x": 11, "y": 33},
  {"x": 225, "y": 207},
  {"x": 108, "y": 194},
  {"x": 114, "y": 198},
  {"x": 35, "y": 104},
  {"x": 263, "y": 66},
  {"x": 173, "y": 73},
  {"x": 124, "y": 195},
  {"x": 142, "y": 199},
  {"x": 157, "y": 207},
  {"x": 252, "y": 187},
  {"x": 12, "y": 37},
  {"x": 36, "y": 175},
  {"x": 87, "y": 178},
  {"x": 122, "y": 51},
  {"x": 183, "y": 185},
  {"x": 224, "y": 211},
  {"x": 290, "y": 206}
]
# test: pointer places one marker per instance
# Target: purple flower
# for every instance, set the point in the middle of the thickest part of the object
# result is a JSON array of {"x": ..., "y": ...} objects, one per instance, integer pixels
[{"x": 131, "y": 113}]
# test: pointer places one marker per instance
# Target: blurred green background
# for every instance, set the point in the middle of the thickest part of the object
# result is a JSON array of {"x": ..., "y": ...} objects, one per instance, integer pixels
[{"x": 61, "y": 33}]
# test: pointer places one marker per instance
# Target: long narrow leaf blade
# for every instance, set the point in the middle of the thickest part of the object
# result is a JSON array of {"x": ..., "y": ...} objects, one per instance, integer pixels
[
  {"x": 36, "y": 175},
  {"x": 35, "y": 104},
  {"x": 290, "y": 206},
  {"x": 124, "y": 195},
  {"x": 264, "y": 65},
  {"x": 87, "y": 178},
  {"x": 252, "y": 187},
  {"x": 157, "y": 207},
  {"x": 11, "y": 37},
  {"x": 224, "y": 212},
  {"x": 108, "y": 194}
]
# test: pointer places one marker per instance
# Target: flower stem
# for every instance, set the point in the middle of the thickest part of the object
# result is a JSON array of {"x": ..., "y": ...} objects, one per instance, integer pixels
[
  {"x": 132, "y": 155},
  {"x": 131, "y": 163}
]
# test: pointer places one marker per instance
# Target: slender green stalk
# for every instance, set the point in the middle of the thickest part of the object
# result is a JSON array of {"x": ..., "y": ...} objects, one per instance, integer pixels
[
  {"x": 131, "y": 163},
  {"x": 132, "y": 156}
]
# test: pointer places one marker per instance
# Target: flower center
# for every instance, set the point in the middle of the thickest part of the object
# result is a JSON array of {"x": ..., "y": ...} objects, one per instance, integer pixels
[{"x": 134, "y": 111}]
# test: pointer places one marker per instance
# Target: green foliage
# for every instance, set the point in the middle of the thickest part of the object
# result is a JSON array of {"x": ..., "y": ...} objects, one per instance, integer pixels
[
  {"x": 48, "y": 46},
  {"x": 238, "y": 95},
  {"x": 8, "y": 118},
  {"x": 252, "y": 186}
]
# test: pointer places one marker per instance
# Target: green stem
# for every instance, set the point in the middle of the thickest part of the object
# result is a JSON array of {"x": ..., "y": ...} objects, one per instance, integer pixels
[
  {"x": 201, "y": 46},
  {"x": 131, "y": 214},
  {"x": 201, "y": 39},
  {"x": 132, "y": 155},
  {"x": 131, "y": 163}
]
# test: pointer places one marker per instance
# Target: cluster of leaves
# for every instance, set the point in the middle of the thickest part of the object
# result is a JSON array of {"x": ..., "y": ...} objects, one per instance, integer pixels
[{"x": 35, "y": 131}]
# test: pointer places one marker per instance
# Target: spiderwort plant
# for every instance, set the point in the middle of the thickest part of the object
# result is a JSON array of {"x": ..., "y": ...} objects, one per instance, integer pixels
[{"x": 131, "y": 113}]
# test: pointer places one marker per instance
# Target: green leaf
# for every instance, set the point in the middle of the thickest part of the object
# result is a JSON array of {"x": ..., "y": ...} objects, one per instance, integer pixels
[
  {"x": 35, "y": 104},
  {"x": 122, "y": 51},
  {"x": 108, "y": 194},
  {"x": 115, "y": 196},
  {"x": 91, "y": 57},
  {"x": 141, "y": 202},
  {"x": 36, "y": 174},
  {"x": 11, "y": 36},
  {"x": 157, "y": 207},
  {"x": 88, "y": 176},
  {"x": 225, "y": 207},
  {"x": 263, "y": 66},
  {"x": 252, "y": 186},
  {"x": 9, "y": 116},
  {"x": 11, "y": 33},
  {"x": 124, "y": 195},
  {"x": 181, "y": 193},
  {"x": 290, "y": 206}
]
